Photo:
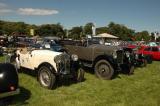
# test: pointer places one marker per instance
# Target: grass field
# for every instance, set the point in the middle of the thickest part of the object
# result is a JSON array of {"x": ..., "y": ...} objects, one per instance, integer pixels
[{"x": 140, "y": 89}]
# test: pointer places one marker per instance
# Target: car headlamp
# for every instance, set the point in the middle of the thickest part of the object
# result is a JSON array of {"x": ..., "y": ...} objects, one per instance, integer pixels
[
  {"x": 1, "y": 75},
  {"x": 127, "y": 54},
  {"x": 74, "y": 57},
  {"x": 57, "y": 59}
]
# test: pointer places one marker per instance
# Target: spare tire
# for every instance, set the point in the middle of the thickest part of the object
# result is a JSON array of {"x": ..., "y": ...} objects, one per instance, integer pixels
[{"x": 8, "y": 77}]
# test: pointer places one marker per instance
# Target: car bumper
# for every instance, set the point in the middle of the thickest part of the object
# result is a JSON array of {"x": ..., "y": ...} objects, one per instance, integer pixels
[{"x": 6, "y": 94}]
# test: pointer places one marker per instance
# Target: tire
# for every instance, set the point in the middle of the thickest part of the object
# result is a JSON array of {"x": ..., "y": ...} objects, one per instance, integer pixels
[
  {"x": 46, "y": 77},
  {"x": 79, "y": 75},
  {"x": 131, "y": 70},
  {"x": 103, "y": 70},
  {"x": 144, "y": 63},
  {"x": 149, "y": 59}
]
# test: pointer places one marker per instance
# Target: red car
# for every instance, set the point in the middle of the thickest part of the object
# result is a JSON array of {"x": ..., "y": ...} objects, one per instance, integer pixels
[{"x": 154, "y": 51}]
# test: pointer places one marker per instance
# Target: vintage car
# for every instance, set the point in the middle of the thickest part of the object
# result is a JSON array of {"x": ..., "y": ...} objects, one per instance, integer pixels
[
  {"x": 3, "y": 41},
  {"x": 105, "y": 60},
  {"x": 49, "y": 64},
  {"x": 1, "y": 51},
  {"x": 8, "y": 80},
  {"x": 139, "y": 58},
  {"x": 153, "y": 51}
]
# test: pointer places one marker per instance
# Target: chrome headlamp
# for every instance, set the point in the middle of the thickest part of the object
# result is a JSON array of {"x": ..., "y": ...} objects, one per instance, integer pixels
[
  {"x": 127, "y": 54},
  {"x": 57, "y": 59},
  {"x": 114, "y": 54},
  {"x": 74, "y": 57}
]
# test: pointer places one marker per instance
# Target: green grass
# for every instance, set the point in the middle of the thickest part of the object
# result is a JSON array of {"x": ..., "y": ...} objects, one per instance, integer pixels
[{"x": 140, "y": 89}]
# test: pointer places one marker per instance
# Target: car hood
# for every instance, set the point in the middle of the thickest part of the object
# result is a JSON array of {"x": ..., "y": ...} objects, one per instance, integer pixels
[{"x": 110, "y": 48}]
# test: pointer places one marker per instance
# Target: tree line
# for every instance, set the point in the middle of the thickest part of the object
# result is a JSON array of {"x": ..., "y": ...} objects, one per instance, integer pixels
[{"x": 77, "y": 32}]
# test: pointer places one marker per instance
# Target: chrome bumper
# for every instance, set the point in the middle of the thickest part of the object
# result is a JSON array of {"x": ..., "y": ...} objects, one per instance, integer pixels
[{"x": 6, "y": 94}]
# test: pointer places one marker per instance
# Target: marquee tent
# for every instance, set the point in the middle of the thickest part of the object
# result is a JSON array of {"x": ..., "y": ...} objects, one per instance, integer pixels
[{"x": 106, "y": 35}]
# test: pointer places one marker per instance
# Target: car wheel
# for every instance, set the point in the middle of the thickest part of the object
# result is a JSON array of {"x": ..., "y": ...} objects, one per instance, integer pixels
[
  {"x": 103, "y": 69},
  {"x": 144, "y": 63},
  {"x": 131, "y": 70},
  {"x": 79, "y": 75},
  {"x": 149, "y": 59},
  {"x": 46, "y": 77}
]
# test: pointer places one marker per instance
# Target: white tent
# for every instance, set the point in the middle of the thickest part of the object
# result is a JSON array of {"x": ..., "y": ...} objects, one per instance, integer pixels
[{"x": 106, "y": 35}]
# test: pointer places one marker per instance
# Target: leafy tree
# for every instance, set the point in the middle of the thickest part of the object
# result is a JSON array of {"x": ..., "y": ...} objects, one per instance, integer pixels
[
  {"x": 75, "y": 32},
  {"x": 120, "y": 31},
  {"x": 88, "y": 28},
  {"x": 144, "y": 35},
  {"x": 102, "y": 30},
  {"x": 51, "y": 30}
]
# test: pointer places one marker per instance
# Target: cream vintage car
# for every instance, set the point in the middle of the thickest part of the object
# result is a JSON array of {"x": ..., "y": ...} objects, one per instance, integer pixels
[{"x": 49, "y": 64}]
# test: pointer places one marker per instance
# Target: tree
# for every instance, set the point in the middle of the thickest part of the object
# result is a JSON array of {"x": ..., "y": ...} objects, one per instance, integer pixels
[
  {"x": 120, "y": 31},
  {"x": 75, "y": 32},
  {"x": 88, "y": 28},
  {"x": 51, "y": 30},
  {"x": 102, "y": 30},
  {"x": 144, "y": 35}
]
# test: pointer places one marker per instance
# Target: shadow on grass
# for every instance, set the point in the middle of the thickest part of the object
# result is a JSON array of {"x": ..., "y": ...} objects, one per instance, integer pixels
[
  {"x": 66, "y": 82},
  {"x": 29, "y": 72},
  {"x": 91, "y": 71},
  {"x": 19, "y": 99},
  {"x": 61, "y": 81}
]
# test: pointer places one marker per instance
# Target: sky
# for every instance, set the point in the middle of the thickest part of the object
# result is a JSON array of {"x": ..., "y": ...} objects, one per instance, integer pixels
[{"x": 136, "y": 14}]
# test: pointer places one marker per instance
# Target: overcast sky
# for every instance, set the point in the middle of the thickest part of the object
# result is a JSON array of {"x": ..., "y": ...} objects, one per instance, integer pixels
[{"x": 136, "y": 14}]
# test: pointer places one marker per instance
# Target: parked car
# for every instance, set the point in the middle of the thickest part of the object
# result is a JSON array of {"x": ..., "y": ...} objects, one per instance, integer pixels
[
  {"x": 8, "y": 80},
  {"x": 139, "y": 58},
  {"x": 49, "y": 64},
  {"x": 50, "y": 40},
  {"x": 105, "y": 60},
  {"x": 153, "y": 51},
  {"x": 3, "y": 41},
  {"x": 1, "y": 51},
  {"x": 25, "y": 42}
]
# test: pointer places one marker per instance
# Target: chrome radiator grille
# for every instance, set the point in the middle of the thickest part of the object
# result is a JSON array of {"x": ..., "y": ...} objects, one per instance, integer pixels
[{"x": 63, "y": 63}]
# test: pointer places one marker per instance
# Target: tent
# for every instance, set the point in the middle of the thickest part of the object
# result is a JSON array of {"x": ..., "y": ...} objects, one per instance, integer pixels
[{"x": 106, "y": 35}]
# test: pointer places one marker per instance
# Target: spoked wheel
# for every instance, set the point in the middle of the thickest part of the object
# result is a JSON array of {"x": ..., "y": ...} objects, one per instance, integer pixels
[
  {"x": 79, "y": 75},
  {"x": 131, "y": 70},
  {"x": 46, "y": 77},
  {"x": 144, "y": 63},
  {"x": 104, "y": 70}
]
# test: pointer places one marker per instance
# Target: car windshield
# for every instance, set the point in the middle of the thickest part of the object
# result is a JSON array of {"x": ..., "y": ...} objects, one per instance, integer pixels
[{"x": 56, "y": 47}]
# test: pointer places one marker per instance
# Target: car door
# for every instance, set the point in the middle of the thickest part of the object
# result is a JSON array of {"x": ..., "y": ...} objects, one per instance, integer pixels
[
  {"x": 26, "y": 59},
  {"x": 147, "y": 51}
]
